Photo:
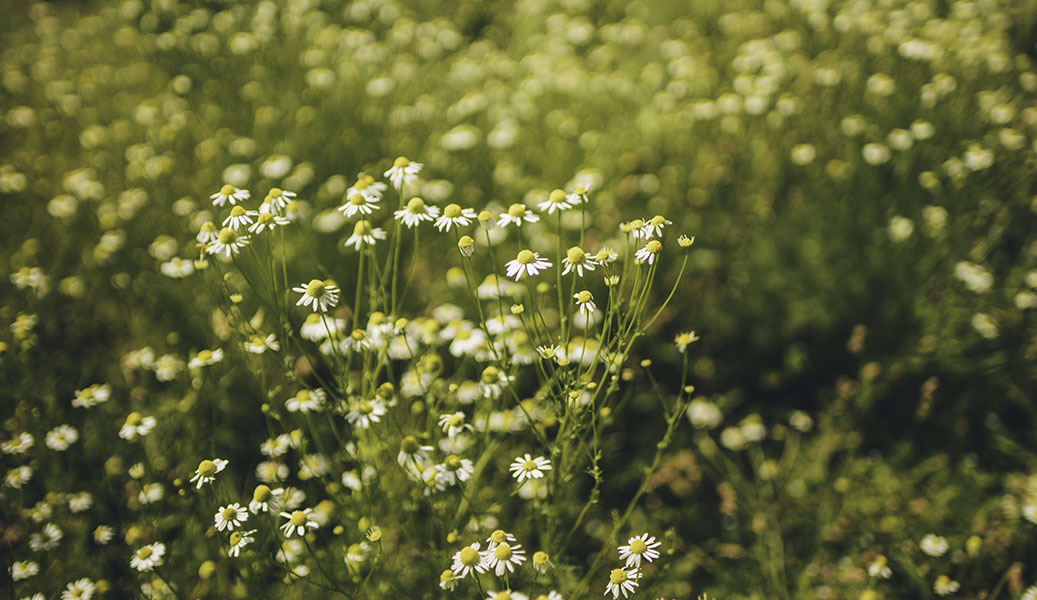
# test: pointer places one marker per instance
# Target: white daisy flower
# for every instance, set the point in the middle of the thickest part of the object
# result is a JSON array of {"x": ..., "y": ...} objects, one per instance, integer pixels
[
  {"x": 103, "y": 534},
  {"x": 579, "y": 260},
  {"x": 366, "y": 412},
  {"x": 945, "y": 586},
  {"x": 240, "y": 539},
  {"x": 150, "y": 493},
  {"x": 359, "y": 204},
  {"x": 298, "y": 522},
  {"x": 415, "y": 212},
  {"x": 230, "y": 517},
  {"x": 46, "y": 540},
  {"x": 267, "y": 220},
  {"x": 366, "y": 185},
  {"x": 685, "y": 339},
  {"x": 934, "y": 545},
  {"x": 148, "y": 557},
  {"x": 207, "y": 470},
  {"x": 654, "y": 227},
  {"x": 92, "y": 395},
  {"x": 492, "y": 381},
  {"x": 453, "y": 424},
  {"x": 23, "y": 569},
  {"x": 412, "y": 453},
  {"x": 556, "y": 201},
  {"x": 20, "y": 443},
  {"x": 454, "y": 469},
  {"x": 585, "y": 301},
  {"x": 541, "y": 564},
  {"x": 455, "y": 216},
  {"x": 136, "y": 425},
  {"x": 403, "y": 171},
  {"x": 258, "y": 344},
  {"x": 228, "y": 242},
  {"x": 622, "y": 580},
  {"x": 229, "y": 193},
  {"x": 526, "y": 263},
  {"x": 61, "y": 437},
  {"x": 365, "y": 235},
  {"x": 305, "y": 401},
  {"x": 208, "y": 234},
  {"x": 448, "y": 581},
  {"x": 262, "y": 497},
  {"x": 468, "y": 560},
  {"x": 204, "y": 358},
  {"x": 321, "y": 295},
  {"x": 879, "y": 568},
  {"x": 526, "y": 467},
  {"x": 1030, "y": 593},
  {"x": 641, "y": 547},
  {"x": 239, "y": 218},
  {"x": 278, "y": 198},
  {"x": 506, "y": 595},
  {"x": 517, "y": 215},
  {"x": 81, "y": 589},
  {"x": 577, "y": 196},
  {"x": 550, "y": 352},
  {"x": 647, "y": 254},
  {"x": 177, "y": 268},
  {"x": 80, "y": 501}
]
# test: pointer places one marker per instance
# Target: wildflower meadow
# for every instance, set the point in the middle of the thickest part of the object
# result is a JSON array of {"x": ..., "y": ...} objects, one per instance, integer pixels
[{"x": 543, "y": 299}]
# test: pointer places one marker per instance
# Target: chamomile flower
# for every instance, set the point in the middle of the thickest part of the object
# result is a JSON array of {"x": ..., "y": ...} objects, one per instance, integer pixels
[
  {"x": 229, "y": 193},
  {"x": 262, "y": 498},
  {"x": 448, "y": 581},
  {"x": 321, "y": 295},
  {"x": 258, "y": 344},
  {"x": 207, "y": 470},
  {"x": 61, "y": 437},
  {"x": 492, "y": 382},
  {"x": 578, "y": 195},
  {"x": 685, "y": 339},
  {"x": 204, "y": 358},
  {"x": 92, "y": 395},
  {"x": 103, "y": 534},
  {"x": 136, "y": 425},
  {"x": 238, "y": 540},
  {"x": 526, "y": 263},
  {"x": 934, "y": 545},
  {"x": 466, "y": 245},
  {"x": 18, "y": 476},
  {"x": 148, "y": 557},
  {"x": 365, "y": 235},
  {"x": 585, "y": 301},
  {"x": 403, "y": 171},
  {"x": 228, "y": 242},
  {"x": 526, "y": 467},
  {"x": 517, "y": 215},
  {"x": 556, "y": 201},
  {"x": 19, "y": 443},
  {"x": 359, "y": 204},
  {"x": 278, "y": 198},
  {"x": 23, "y": 569},
  {"x": 454, "y": 469},
  {"x": 640, "y": 547},
  {"x": 579, "y": 260},
  {"x": 622, "y": 580},
  {"x": 550, "y": 352},
  {"x": 506, "y": 595},
  {"x": 1030, "y": 593},
  {"x": 208, "y": 233},
  {"x": 266, "y": 221},
  {"x": 412, "y": 453},
  {"x": 455, "y": 216},
  {"x": 468, "y": 560},
  {"x": 305, "y": 401},
  {"x": 648, "y": 252},
  {"x": 879, "y": 568},
  {"x": 541, "y": 563},
  {"x": 503, "y": 556},
  {"x": 47, "y": 539},
  {"x": 298, "y": 522},
  {"x": 239, "y": 218},
  {"x": 606, "y": 256},
  {"x": 453, "y": 424},
  {"x": 366, "y": 412},
  {"x": 230, "y": 517},
  {"x": 654, "y": 227},
  {"x": 177, "y": 268},
  {"x": 80, "y": 589},
  {"x": 945, "y": 586},
  {"x": 415, "y": 212}
]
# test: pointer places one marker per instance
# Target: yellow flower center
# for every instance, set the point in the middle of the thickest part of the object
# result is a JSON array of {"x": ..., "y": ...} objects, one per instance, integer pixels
[
  {"x": 262, "y": 493},
  {"x": 502, "y": 551},
  {"x": 466, "y": 241},
  {"x": 133, "y": 419},
  {"x": 357, "y": 335},
  {"x": 452, "y": 211},
  {"x": 400, "y": 162},
  {"x": 540, "y": 558},
  {"x": 447, "y": 575},
  {"x": 227, "y": 236},
  {"x": 469, "y": 556},
  {"x": 275, "y": 192},
  {"x": 455, "y": 420},
  {"x": 556, "y": 197},
  {"x": 362, "y": 227},
  {"x": 302, "y": 395},
  {"x": 503, "y": 595},
  {"x": 316, "y": 288},
  {"x": 229, "y": 514},
  {"x": 516, "y": 211},
  {"x": 638, "y": 547},
  {"x": 490, "y": 375},
  {"x": 237, "y": 211},
  {"x": 298, "y": 518},
  {"x": 365, "y": 408},
  {"x": 617, "y": 576},
  {"x": 144, "y": 553},
  {"x": 409, "y": 445},
  {"x": 209, "y": 227},
  {"x": 637, "y": 224},
  {"x": 657, "y": 220},
  {"x": 227, "y": 190},
  {"x": 485, "y": 215},
  {"x": 266, "y": 218},
  {"x": 576, "y": 255},
  {"x": 205, "y": 355},
  {"x": 529, "y": 465},
  {"x": 235, "y": 538},
  {"x": 498, "y": 536},
  {"x": 363, "y": 181},
  {"x": 357, "y": 199},
  {"x": 416, "y": 205},
  {"x": 654, "y": 246},
  {"x": 584, "y": 297},
  {"x": 452, "y": 462},
  {"x": 526, "y": 257},
  {"x": 206, "y": 468}
]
